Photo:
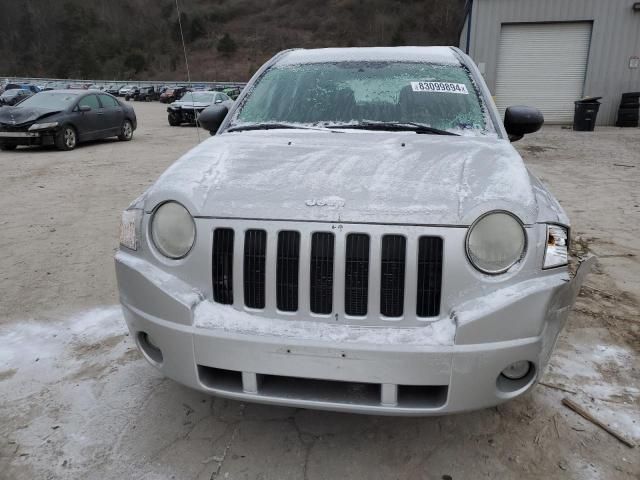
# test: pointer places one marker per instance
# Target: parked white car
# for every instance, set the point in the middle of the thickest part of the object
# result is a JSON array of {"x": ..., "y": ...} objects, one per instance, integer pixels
[
  {"x": 126, "y": 90},
  {"x": 359, "y": 235}
]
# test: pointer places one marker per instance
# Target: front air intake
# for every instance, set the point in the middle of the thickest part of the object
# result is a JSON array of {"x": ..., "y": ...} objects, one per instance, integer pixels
[
  {"x": 222, "y": 265},
  {"x": 321, "y": 273},
  {"x": 255, "y": 254}
]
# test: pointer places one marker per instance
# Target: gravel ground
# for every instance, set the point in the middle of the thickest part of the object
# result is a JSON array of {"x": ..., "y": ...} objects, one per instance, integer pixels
[{"x": 77, "y": 401}]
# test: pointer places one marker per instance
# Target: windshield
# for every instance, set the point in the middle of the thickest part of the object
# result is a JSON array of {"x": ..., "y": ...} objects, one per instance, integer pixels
[
  {"x": 204, "y": 97},
  {"x": 330, "y": 94},
  {"x": 53, "y": 100}
]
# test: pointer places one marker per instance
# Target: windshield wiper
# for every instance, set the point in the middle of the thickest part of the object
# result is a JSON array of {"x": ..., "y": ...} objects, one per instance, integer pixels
[
  {"x": 395, "y": 126},
  {"x": 274, "y": 126}
]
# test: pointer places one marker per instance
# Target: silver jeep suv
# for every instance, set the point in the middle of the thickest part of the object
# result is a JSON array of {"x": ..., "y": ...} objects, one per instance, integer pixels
[{"x": 359, "y": 235}]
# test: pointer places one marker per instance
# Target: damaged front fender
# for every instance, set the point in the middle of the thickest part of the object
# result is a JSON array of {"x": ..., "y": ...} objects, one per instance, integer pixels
[{"x": 522, "y": 310}]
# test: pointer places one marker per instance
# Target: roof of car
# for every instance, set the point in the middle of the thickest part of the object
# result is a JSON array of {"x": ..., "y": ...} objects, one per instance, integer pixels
[
  {"x": 74, "y": 91},
  {"x": 445, "y": 55}
]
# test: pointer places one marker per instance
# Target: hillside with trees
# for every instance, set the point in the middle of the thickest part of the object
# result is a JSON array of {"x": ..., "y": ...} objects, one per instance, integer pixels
[{"x": 225, "y": 39}]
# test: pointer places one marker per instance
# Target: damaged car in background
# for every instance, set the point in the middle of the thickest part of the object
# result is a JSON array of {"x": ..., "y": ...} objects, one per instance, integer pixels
[
  {"x": 64, "y": 118},
  {"x": 359, "y": 235},
  {"x": 187, "y": 109}
]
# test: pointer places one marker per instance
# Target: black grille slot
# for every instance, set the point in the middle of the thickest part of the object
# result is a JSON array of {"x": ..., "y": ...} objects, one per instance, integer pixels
[
  {"x": 255, "y": 252},
  {"x": 222, "y": 265},
  {"x": 356, "y": 276},
  {"x": 392, "y": 275},
  {"x": 429, "y": 276},
  {"x": 287, "y": 271},
  {"x": 321, "y": 272}
]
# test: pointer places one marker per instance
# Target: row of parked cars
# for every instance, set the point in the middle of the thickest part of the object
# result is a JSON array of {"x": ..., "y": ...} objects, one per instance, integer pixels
[
  {"x": 15, "y": 92},
  {"x": 65, "y": 117}
]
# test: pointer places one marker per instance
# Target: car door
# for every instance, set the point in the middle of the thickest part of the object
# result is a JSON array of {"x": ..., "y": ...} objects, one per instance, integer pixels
[
  {"x": 113, "y": 115},
  {"x": 89, "y": 121}
]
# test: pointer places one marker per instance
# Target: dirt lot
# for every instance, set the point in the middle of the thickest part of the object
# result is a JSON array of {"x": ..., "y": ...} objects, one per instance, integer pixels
[{"x": 77, "y": 401}]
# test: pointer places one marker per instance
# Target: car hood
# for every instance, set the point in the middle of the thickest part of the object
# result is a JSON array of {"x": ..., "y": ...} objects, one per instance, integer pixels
[
  {"x": 355, "y": 176},
  {"x": 24, "y": 115}
]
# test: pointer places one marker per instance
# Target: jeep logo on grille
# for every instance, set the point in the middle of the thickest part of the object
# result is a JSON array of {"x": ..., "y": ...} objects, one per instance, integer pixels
[{"x": 333, "y": 202}]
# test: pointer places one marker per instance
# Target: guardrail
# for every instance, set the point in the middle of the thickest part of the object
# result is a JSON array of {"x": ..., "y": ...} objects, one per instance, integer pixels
[{"x": 137, "y": 83}]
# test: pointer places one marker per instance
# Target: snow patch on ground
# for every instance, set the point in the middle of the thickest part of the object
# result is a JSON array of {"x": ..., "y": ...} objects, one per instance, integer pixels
[
  {"x": 39, "y": 352},
  {"x": 601, "y": 372}
]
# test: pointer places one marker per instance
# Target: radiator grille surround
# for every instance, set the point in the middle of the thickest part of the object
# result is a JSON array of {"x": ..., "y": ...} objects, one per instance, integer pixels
[{"x": 358, "y": 274}]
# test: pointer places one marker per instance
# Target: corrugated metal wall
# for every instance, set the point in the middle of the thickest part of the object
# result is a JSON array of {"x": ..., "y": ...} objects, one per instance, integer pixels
[{"x": 615, "y": 38}]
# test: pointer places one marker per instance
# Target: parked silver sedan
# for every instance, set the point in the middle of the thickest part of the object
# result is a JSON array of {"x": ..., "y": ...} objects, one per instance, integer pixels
[{"x": 359, "y": 235}]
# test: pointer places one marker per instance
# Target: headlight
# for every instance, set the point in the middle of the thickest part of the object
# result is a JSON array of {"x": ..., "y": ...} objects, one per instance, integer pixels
[
  {"x": 129, "y": 228},
  {"x": 173, "y": 230},
  {"x": 557, "y": 251},
  {"x": 495, "y": 242},
  {"x": 43, "y": 126}
]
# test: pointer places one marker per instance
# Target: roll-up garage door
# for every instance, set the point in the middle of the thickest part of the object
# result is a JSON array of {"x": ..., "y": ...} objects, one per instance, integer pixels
[{"x": 543, "y": 65}]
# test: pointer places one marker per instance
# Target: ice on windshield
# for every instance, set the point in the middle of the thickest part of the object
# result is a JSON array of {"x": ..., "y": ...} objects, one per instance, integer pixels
[{"x": 438, "y": 95}]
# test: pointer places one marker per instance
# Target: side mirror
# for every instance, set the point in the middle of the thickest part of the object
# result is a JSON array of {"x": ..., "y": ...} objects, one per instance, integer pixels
[
  {"x": 211, "y": 117},
  {"x": 218, "y": 101},
  {"x": 520, "y": 120},
  {"x": 84, "y": 108}
]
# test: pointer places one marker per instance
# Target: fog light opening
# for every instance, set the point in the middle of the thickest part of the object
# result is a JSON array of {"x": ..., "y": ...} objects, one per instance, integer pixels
[
  {"x": 515, "y": 378},
  {"x": 149, "y": 348},
  {"x": 517, "y": 370}
]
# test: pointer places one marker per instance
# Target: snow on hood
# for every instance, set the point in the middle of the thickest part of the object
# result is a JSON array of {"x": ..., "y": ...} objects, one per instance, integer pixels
[{"x": 355, "y": 176}]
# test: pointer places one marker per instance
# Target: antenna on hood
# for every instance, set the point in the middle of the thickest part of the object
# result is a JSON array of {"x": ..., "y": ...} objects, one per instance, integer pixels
[{"x": 186, "y": 62}]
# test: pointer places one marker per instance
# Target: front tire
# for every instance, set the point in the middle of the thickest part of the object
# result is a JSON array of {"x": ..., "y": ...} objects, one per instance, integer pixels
[
  {"x": 174, "y": 120},
  {"x": 126, "y": 132},
  {"x": 67, "y": 138}
]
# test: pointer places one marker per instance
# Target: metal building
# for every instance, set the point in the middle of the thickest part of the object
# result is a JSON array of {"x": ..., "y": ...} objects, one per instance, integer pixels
[{"x": 549, "y": 53}]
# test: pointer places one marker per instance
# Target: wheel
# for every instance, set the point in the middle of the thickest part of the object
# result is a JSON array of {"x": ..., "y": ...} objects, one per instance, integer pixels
[
  {"x": 127, "y": 98},
  {"x": 174, "y": 120},
  {"x": 67, "y": 138},
  {"x": 7, "y": 148},
  {"x": 126, "y": 133}
]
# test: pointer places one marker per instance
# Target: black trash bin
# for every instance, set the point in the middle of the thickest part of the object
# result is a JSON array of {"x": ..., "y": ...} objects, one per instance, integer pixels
[{"x": 586, "y": 111}]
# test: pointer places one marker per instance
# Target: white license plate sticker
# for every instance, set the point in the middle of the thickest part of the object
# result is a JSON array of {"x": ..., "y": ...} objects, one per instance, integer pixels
[{"x": 440, "y": 87}]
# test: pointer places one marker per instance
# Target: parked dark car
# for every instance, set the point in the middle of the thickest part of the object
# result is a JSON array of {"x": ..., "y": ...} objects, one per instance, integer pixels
[
  {"x": 65, "y": 118},
  {"x": 147, "y": 94},
  {"x": 112, "y": 89},
  {"x": 172, "y": 94},
  {"x": 191, "y": 105},
  {"x": 14, "y": 96}
]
